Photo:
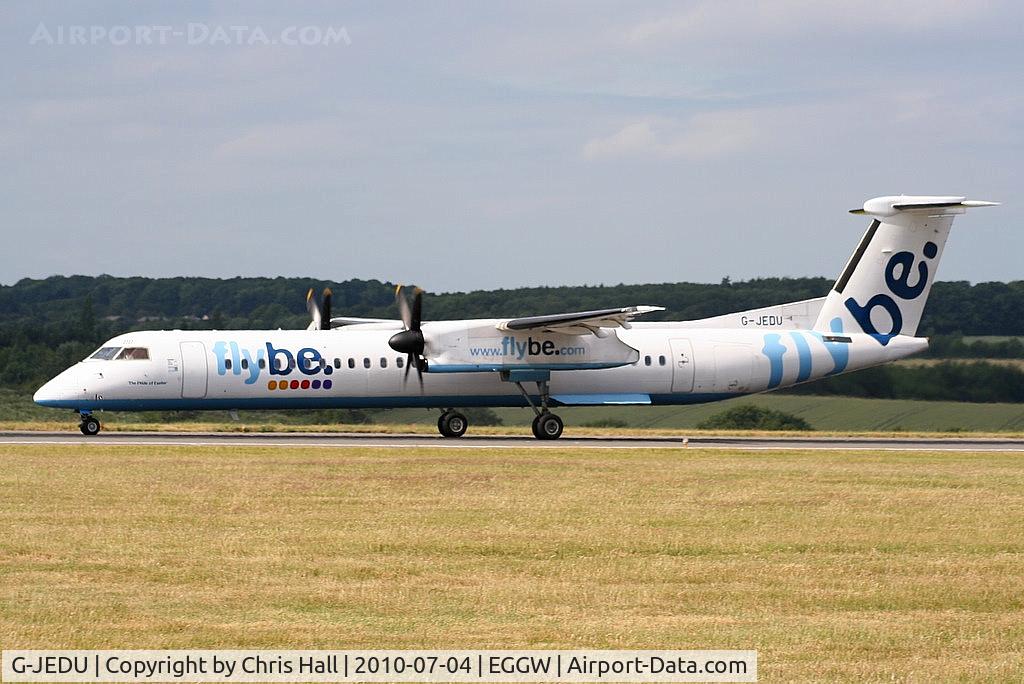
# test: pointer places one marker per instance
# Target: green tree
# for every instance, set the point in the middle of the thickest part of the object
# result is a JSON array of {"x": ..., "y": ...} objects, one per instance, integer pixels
[
  {"x": 750, "y": 417},
  {"x": 86, "y": 320}
]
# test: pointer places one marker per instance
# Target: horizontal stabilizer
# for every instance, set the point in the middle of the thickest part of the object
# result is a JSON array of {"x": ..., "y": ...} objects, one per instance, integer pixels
[{"x": 891, "y": 205}]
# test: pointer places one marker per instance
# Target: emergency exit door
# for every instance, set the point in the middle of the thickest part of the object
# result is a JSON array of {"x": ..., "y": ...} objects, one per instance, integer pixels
[{"x": 682, "y": 365}]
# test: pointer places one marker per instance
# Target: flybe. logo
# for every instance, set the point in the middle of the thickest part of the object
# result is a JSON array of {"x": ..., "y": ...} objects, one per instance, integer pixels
[
  {"x": 231, "y": 358},
  {"x": 898, "y": 285}
]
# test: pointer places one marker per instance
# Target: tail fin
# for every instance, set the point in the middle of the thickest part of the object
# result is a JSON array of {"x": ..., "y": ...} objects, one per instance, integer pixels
[{"x": 884, "y": 286}]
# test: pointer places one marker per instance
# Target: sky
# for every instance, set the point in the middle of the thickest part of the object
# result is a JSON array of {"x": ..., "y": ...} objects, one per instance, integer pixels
[{"x": 479, "y": 145}]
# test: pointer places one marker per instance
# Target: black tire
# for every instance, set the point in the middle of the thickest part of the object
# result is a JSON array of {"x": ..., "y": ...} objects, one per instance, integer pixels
[
  {"x": 547, "y": 426},
  {"x": 89, "y": 426},
  {"x": 442, "y": 424},
  {"x": 455, "y": 424}
]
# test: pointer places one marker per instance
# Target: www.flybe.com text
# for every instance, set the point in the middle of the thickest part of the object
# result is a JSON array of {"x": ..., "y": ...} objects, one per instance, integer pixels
[{"x": 509, "y": 346}]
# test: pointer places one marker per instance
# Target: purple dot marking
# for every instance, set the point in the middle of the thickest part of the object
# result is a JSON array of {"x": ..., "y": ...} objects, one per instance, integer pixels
[
  {"x": 327, "y": 384},
  {"x": 316, "y": 384}
]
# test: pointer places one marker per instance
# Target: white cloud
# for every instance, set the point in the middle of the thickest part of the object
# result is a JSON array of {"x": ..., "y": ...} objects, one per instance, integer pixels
[
  {"x": 712, "y": 20},
  {"x": 703, "y": 136},
  {"x": 327, "y": 138}
]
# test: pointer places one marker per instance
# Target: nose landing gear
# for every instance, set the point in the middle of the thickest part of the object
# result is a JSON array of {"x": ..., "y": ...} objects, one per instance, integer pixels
[{"x": 89, "y": 425}]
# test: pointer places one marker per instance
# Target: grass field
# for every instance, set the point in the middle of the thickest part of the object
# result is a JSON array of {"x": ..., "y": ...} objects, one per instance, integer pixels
[
  {"x": 917, "y": 362},
  {"x": 990, "y": 338},
  {"x": 834, "y": 566}
]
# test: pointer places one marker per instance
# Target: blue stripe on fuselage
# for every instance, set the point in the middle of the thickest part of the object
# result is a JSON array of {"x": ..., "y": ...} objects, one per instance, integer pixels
[
  {"x": 321, "y": 402},
  {"x": 803, "y": 352}
]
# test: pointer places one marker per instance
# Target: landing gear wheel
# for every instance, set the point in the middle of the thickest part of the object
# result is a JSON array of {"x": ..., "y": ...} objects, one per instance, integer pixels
[
  {"x": 452, "y": 424},
  {"x": 547, "y": 426},
  {"x": 89, "y": 426}
]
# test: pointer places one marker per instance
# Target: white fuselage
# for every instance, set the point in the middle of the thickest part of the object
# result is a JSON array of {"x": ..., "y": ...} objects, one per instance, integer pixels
[
  {"x": 655, "y": 363},
  {"x": 592, "y": 358}
]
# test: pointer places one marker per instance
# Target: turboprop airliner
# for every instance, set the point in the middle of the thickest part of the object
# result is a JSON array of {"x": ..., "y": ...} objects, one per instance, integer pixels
[{"x": 587, "y": 358}]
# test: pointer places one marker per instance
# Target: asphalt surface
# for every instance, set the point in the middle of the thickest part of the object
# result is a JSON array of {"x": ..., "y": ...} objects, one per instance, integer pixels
[{"x": 409, "y": 441}]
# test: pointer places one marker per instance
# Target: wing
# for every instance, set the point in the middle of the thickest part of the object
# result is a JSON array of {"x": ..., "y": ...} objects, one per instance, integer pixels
[{"x": 580, "y": 322}]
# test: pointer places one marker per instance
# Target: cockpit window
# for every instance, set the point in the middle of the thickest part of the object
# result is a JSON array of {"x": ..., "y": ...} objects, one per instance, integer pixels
[
  {"x": 134, "y": 354},
  {"x": 105, "y": 353}
]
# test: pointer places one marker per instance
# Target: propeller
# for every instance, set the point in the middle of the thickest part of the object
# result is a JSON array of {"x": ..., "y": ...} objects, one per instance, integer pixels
[
  {"x": 325, "y": 309},
  {"x": 319, "y": 312},
  {"x": 410, "y": 341}
]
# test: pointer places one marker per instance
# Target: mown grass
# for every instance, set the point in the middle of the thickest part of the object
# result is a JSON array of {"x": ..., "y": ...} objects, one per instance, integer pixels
[
  {"x": 834, "y": 566},
  {"x": 571, "y": 431}
]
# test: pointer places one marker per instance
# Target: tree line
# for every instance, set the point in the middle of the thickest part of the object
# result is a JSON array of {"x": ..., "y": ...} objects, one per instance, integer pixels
[
  {"x": 973, "y": 381},
  {"x": 46, "y": 325}
]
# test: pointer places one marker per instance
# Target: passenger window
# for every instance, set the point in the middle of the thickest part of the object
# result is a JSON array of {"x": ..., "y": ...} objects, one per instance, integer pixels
[
  {"x": 661, "y": 360},
  {"x": 227, "y": 364},
  {"x": 245, "y": 364},
  {"x": 337, "y": 363},
  {"x": 366, "y": 362},
  {"x": 383, "y": 362},
  {"x": 647, "y": 360},
  {"x": 262, "y": 363},
  {"x": 400, "y": 362},
  {"x": 281, "y": 363},
  {"x": 351, "y": 363},
  {"x": 134, "y": 354},
  {"x": 105, "y": 353},
  {"x": 291, "y": 364}
]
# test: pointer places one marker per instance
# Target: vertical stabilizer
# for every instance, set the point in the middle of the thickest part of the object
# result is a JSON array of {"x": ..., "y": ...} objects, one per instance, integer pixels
[{"x": 883, "y": 289}]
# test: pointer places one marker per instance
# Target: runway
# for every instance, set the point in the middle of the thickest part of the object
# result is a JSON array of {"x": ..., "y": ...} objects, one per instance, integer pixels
[{"x": 413, "y": 441}]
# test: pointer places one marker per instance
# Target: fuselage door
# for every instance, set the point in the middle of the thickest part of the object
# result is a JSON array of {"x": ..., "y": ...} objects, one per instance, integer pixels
[
  {"x": 194, "y": 371},
  {"x": 682, "y": 365}
]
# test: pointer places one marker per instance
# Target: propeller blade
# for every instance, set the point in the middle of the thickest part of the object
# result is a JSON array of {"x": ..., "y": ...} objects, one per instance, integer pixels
[
  {"x": 314, "y": 310},
  {"x": 410, "y": 340},
  {"x": 403, "y": 307},
  {"x": 417, "y": 309},
  {"x": 325, "y": 310}
]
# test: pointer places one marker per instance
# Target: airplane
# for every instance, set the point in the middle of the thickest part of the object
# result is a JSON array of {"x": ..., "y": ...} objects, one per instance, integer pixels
[{"x": 587, "y": 358}]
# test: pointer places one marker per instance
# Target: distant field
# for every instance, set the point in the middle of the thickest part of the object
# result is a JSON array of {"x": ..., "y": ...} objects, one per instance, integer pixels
[
  {"x": 834, "y": 566},
  {"x": 824, "y": 413},
  {"x": 990, "y": 338},
  {"x": 1014, "y": 363}
]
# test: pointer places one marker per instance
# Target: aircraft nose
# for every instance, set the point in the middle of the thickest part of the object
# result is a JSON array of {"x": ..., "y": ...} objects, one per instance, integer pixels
[
  {"x": 59, "y": 391},
  {"x": 44, "y": 393},
  {"x": 50, "y": 392}
]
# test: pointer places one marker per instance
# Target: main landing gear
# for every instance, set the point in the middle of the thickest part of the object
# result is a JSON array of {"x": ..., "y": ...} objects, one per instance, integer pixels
[
  {"x": 452, "y": 423},
  {"x": 546, "y": 425},
  {"x": 89, "y": 425}
]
